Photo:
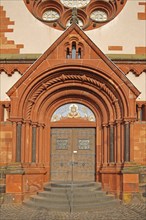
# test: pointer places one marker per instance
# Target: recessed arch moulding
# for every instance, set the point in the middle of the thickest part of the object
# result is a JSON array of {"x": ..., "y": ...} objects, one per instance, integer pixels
[{"x": 66, "y": 82}]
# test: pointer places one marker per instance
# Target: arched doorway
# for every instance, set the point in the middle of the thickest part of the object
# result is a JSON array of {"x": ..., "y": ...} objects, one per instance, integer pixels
[
  {"x": 73, "y": 144},
  {"x": 53, "y": 81}
]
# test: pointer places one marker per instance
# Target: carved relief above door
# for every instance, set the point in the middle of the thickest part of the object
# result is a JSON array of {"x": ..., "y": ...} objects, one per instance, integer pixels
[{"x": 73, "y": 110}]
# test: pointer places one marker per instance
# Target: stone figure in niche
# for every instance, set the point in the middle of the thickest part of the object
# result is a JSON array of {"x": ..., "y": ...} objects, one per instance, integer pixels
[{"x": 73, "y": 113}]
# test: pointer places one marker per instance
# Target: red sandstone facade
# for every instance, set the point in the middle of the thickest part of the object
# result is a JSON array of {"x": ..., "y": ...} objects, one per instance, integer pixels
[{"x": 90, "y": 79}]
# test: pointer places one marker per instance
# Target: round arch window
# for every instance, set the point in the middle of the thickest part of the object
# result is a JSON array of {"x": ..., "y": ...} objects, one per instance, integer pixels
[{"x": 75, "y": 3}]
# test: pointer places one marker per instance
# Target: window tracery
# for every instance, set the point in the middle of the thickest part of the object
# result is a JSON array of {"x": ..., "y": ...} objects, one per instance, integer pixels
[
  {"x": 74, "y": 50},
  {"x": 90, "y": 13}
]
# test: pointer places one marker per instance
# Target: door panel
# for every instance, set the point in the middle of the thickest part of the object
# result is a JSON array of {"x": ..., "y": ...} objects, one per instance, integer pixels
[
  {"x": 72, "y": 154},
  {"x": 61, "y": 148}
]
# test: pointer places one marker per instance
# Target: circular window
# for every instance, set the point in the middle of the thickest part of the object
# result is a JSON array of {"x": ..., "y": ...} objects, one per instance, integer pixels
[
  {"x": 58, "y": 14},
  {"x": 50, "y": 15},
  {"x": 75, "y": 3},
  {"x": 99, "y": 15}
]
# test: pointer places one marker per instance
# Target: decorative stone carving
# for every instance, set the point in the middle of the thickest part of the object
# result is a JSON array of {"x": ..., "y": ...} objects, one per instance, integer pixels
[
  {"x": 62, "y": 12},
  {"x": 73, "y": 110},
  {"x": 77, "y": 77}
]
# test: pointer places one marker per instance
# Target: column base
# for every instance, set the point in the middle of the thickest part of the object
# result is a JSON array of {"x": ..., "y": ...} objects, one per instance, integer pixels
[
  {"x": 130, "y": 175},
  {"x": 24, "y": 180}
]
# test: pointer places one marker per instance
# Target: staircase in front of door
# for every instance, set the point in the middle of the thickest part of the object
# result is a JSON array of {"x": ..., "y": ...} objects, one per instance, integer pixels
[{"x": 72, "y": 197}]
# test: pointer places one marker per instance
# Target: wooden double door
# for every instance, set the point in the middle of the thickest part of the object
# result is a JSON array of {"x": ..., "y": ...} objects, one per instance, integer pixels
[{"x": 72, "y": 154}]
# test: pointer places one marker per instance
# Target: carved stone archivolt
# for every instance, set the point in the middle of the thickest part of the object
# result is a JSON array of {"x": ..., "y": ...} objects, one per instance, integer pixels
[{"x": 64, "y": 78}]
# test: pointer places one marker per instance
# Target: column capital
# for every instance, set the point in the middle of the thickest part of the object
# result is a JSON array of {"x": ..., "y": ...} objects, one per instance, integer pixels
[
  {"x": 16, "y": 120},
  {"x": 7, "y": 105},
  {"x": 140, "y": 103},
  {"x": 34, "y": 124},
  {"x": 27, "y": 121},
  {"x": 41, "y": 125},
  {"x": 118, "y": 121},
  {"x": 129, "y": 120},
  {"x": 111, "y": 123},
  {"x": 105, "y": 125},
  {"x": 19, "y": 122}
]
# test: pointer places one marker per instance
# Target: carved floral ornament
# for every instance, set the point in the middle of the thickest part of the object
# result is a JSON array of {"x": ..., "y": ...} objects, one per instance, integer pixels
[
  {"x": 63, "y": 78},
  {"x": 89, "y": 14}
]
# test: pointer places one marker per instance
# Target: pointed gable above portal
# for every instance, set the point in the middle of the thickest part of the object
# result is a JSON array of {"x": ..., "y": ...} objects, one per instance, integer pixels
[{"x": 74, "y": 49}]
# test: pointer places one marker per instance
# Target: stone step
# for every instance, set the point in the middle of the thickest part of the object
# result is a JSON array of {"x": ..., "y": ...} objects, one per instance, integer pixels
[
  {"x": 78, "y": 197},
  {"x": 73, "y": 188},
  {"x": 69, "y": 206},
  {"x": 75, "y": 184},
  {"x": 48, "y": 206},
  {"x": 41, "y": 199},
  {"x": 75, "y": 199},
  {"x": 82, "y": 195}
]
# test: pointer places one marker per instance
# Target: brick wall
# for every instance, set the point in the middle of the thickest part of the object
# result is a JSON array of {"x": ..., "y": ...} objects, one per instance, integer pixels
[
  {"x": 5, "y": 143},
  {"x": 140, "y": 142},
  {"x": 7, "y": 46},
  {"x": 142, "y": 15}
]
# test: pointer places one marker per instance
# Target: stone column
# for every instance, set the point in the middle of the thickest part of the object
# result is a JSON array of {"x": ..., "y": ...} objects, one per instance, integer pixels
[
  {"x": 41, "y": 149},
  {"x": 23, "y": 143},
  {"x": 122, "y": 142},
  {"x": 99, "y": 151},
  {"x": 118, "y": 138},
  {"x": 139, "y": 112},
  {"x": 1, "y": 112},
  {"x": 37, "y": 143},
  {"x": 131, "y": 141},
  {"x": 14, "y": 142},
  {"x": 105, "y": 143},
  {"x": 144, "y": 112},
  {"x": 18, "y": 141},
  {"x": 127, "y": 142},
  {"x": 33, "y": 143},
  {"x": 6, "y": 111},
  {"x": 47, "y": 143},
  {"x": 27, "y": 141},
  {"x": 111, "y": 144}
]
